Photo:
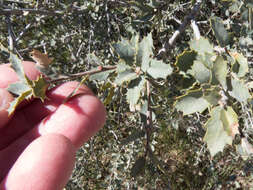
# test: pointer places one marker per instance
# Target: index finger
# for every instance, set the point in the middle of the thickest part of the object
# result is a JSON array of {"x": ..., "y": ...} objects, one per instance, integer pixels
[{"x": 8, "y": 76}]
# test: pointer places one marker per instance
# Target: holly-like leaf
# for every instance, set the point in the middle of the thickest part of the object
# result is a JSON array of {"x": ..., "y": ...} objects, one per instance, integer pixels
[
  {"x": 18, "y": 88},
  {"x": 134, "y": 90},
  {"x": 200, "y": 72},
  {"x": 14, "y": 104},
  {"x": 17, "y": 66},
  {"x": 219, "y": 31},
  {"x": 191, "y": 102},
  {"x": 125, "y": 50},
  {"x": 201, "y": 46},
  {"x": 239, "y": 90},
  {"x": 102, "y": 76},
  {"x": 39, "y": 88},
  {"x": 219, "y": 72},
  {"x": 185, "y": 60},
  {"x": 220, "y": 129},
  {"x": 125, "y": 76},
  {"x": 240, "y": 65},
  {"x": 212, "y": 95},
  {"x": 158, "y": 69},
  {"x": 145, "y": 52},
  {"x": 245, "y": 149}
]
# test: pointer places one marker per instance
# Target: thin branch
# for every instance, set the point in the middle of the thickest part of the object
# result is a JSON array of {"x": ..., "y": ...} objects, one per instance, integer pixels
[
  {"x": 149, "y": 124},
  {"x": 195, "y": 29},
  {"x": 77, "y": 75},
  {"x": 11, "y": 34},
  {"x": 23, "y": 32},
  {"x": 185, "y": 23},
  {"x": 32, "y": 11}
]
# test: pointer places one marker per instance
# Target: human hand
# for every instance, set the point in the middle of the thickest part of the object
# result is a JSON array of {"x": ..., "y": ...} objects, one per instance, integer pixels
[{"x": 38, "y": 143}]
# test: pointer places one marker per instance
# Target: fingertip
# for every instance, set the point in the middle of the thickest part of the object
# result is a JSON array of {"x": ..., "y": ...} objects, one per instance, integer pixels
[
  {"x": 8, "y": 75},
  {"x": 5, "y": 99},
  {"x": 46, "y": 163}
]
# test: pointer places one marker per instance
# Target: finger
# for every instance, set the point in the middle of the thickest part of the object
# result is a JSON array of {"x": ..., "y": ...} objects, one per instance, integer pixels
[
  {"x": 5, "y": 99},
  {"x": 30, "y": 115},
  {"x": 78, "y": 120},
  {"x": 8, "y": 75},
  {"x": 45, "y": 164}
]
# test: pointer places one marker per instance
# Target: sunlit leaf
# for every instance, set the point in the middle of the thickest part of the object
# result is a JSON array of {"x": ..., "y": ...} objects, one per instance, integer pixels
[
  {"x": 158, "y": 69},
  {"x": 125, "y": 50},
  {"x": 134, "y": 90},
  {"x": 219, "y": 31},
  {"x": 17, "y": 66},
  {"x": 220, "y": 72},
  {"x": 145, "y": 52},
  {"x": 14, "y": 104},
  {"x": 39, "y": 88},
  {"x": 101, "y": 76},
  {"x": 220, "y": 129},
  {"x": 201, "y": 46},
  {"x": 240, "y": 66},
  {"x": 125, "y": 76},
  {"x": 191, "y": 102},
  {"x": 200, "y": 72},
  {"x": 18, "y": 88},
  {"x": 212, "y": 95},
  {"x": 239, "y": 90}
]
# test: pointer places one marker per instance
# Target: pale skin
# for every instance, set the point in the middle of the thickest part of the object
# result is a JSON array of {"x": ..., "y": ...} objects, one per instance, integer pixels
[{"x": 38, "y": 143}]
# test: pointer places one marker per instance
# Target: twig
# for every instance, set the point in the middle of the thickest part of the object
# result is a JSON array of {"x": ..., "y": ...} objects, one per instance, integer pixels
[
  {"x": 195, "y": 29},
  {"x": 92, "y": 72},
  {"x": 23, "y": 32},
  {"x": 18, "y": 2},
  {"x": 11, "y": 34},
  {"x": 149, "y": 124},
  {"x": 32, "y": 11},
  {"x": 183, "y": 26}
]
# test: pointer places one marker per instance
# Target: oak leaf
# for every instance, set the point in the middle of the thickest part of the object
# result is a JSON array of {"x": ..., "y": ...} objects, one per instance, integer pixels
[{"x": 41, "y": 59}]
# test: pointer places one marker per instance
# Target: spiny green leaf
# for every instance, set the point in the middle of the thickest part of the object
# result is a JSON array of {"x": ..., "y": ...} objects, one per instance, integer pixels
[
  {"x": 219, "y": 31},
  {"x": 145, "y": 52},
  {"x": 16, "y": 64},
  {"x": 207, "y": 59},
  {"x": 158, "y": 69},
  {"x": 200, "y": 72},
  {"x": 219, "y": 72},
  {"x": 191, "y": 102},
  {"x": 239, "y": 90},
  {"x": 184, "y": 61},
  {"x": 220, "y": 129},
  {"x": 201, "y": 46},
  {"x": 212, "y": 95},
  {"x": 240, "y": 65},
  {"x": 134, "y": 90},
  {"x": 125, "y": 76},
  {"x": 230, "y": 121},
  {"x": 18, "y": 88},
  {"x": 39, "y": 88},
  {"x": 102, "y": 76},
  {"x": 14, "y": 104},
  {"x": 126, "y": 51},
  {"x": 245, "y": 149}
]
